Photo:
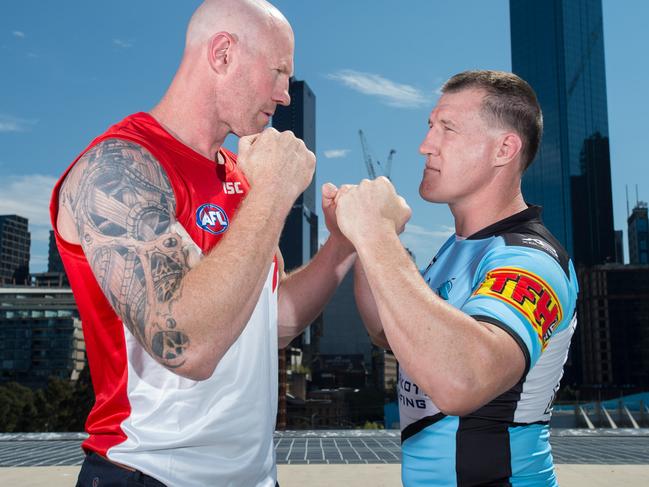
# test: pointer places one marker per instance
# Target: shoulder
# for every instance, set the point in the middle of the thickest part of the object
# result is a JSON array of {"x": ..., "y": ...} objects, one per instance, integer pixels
[{"x": 114, "y": 181}]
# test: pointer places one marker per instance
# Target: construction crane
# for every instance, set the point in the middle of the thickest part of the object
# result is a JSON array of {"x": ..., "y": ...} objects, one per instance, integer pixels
[{"x": 369, "y": 162}]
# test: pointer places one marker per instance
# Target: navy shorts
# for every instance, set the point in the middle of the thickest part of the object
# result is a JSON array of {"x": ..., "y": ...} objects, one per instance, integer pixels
[{"x": 96, "y": 471}]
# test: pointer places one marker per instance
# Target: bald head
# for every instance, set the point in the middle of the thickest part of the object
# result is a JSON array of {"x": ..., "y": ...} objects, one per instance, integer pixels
[{"x": 248, "y": 20}]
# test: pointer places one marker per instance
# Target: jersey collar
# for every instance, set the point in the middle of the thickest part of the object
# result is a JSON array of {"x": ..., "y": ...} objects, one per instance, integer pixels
[{"x": 531, "y": 214}]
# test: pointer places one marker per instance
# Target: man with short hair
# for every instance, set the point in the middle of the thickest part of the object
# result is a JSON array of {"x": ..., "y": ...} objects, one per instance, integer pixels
[
  {"x": 481, "y": 335},
  {"x": 170, "y": 242}
]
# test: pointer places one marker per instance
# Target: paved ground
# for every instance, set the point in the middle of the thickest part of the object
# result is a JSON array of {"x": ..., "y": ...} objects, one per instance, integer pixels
[
  {"x": 603, "y": 447},
  {"x": 373, "y": 475}
]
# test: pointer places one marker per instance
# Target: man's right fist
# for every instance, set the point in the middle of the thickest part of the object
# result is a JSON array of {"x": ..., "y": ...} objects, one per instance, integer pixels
[{"x": 276, "y": 161}]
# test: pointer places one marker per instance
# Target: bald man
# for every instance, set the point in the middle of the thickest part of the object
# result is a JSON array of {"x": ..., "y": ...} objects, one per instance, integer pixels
[{"x": 170, "y": 242}]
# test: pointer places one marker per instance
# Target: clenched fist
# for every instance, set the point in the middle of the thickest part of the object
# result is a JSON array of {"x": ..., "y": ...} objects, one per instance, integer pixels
[
  {"x": 276, "y": 162},
  {"x": 370, "y": 207}
]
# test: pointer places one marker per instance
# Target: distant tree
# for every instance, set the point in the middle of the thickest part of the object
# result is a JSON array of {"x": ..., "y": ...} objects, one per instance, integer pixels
[
  {"x": 61, "y": 406},
  {"x": 17, "y": 410},
  {"x": 82, "y": 400}
]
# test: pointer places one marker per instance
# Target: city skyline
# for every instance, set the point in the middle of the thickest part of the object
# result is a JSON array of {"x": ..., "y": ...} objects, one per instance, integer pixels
[{"x": 379, "y": 71}]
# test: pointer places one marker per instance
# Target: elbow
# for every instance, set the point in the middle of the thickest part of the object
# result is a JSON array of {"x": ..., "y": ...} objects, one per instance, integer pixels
[
  {"x": 284, "y": 341},
  {"x": 196, "y": 367},
  {"x": 198, "y": 374},
  {"x": 455, "y": 397},
  {"x": 380, "y": 340}
]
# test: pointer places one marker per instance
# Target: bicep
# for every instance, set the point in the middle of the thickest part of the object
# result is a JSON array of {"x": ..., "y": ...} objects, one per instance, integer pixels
[
  {"x": 504, "y": 359},
  {"x": 124, "y": 210}
]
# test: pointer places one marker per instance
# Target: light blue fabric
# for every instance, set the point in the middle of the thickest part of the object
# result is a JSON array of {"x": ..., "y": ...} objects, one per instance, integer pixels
[{"x": 428, "y": 458}]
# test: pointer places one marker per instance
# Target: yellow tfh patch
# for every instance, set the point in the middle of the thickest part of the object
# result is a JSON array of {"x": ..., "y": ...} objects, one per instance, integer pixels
[{"x": 529, "y": 294}]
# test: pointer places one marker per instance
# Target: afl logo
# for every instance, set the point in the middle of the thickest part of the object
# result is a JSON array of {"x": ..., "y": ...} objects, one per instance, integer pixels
[{"x": 212, "y": 218}]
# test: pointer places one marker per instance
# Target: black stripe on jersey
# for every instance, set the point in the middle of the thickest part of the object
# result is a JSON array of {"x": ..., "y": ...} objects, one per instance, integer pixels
[
  {"x": 543, "y": 423},
  {"x": 526, "y": 229},
  {"x": 420, "y": 424},
  {"x": 512, "y": 333},
  {"x": 483, "y": 452}
]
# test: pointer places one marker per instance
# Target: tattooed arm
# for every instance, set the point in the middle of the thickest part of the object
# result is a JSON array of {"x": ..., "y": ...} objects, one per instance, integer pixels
[{"x": 186, "y": 313}]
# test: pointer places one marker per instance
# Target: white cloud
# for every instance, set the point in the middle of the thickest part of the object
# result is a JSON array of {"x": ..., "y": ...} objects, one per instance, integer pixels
[
  {"x": 9, "y": 123},
  {"x": 443, "y": 231},
  {"x": 336, "y": 153},
  {"x": 19, "y": 34},
  {"x": 391, "y": 93},
  {"x": 124, "y": 44},
  {"x": 28, "y": 196}
]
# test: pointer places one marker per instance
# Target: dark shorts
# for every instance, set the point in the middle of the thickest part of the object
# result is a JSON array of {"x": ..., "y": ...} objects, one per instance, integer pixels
[{"x": 96, "y": 471}]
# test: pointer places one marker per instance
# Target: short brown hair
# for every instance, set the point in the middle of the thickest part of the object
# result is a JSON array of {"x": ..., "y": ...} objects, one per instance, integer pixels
[{"x": 509, "y": 101}]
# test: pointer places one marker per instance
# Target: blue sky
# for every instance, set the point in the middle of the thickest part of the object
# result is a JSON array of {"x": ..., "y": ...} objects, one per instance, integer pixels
[{"x": 69, "y": 69}]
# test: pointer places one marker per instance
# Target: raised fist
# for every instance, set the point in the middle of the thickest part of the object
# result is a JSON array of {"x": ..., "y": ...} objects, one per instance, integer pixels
[
  {"x": 277, "y": 162},
  {"x": 370, "y": 206}
]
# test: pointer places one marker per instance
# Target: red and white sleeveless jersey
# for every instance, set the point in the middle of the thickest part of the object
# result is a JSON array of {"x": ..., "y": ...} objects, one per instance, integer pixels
[{"x": 182, "y": 432}]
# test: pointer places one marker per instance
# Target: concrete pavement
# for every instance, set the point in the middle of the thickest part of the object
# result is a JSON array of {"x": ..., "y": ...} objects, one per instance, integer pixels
[{"x": 373, "y": 475}]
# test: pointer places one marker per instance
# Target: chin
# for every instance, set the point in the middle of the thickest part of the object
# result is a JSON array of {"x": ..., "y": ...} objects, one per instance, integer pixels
[{"x": 429, "y": 194}]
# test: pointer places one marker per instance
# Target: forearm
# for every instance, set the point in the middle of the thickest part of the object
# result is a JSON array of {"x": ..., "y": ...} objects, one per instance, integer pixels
[
  {"x": 367, "y": 307},
  {"x": 242, "y": 259},
  {"x": 304, "y": 293},
  {"x": 444, "y": 350}
]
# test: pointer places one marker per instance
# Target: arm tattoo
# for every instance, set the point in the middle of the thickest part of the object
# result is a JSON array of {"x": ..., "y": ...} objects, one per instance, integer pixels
[{"x": 124, "y": 209}]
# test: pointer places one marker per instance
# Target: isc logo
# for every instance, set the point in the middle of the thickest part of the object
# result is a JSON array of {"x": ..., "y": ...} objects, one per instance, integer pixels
[
  {"x": 212, "y": 218},
  {"x": 232, "y": 187}
]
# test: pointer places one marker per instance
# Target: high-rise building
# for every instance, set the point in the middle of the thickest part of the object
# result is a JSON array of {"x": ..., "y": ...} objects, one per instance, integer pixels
[
  {"x": 638, "y": 232},
  {"x": 558, "y": 47},
  {"x": 344, "y": 332},
  {"x": 54, "y": 262},
  {"x": 15, "y": 240},
  {"x": 55, "y": 275},
  {"x": 614, "y": 309},
  {"x": 299, "y": 239},
  {"x": 40, "y": 335},
  {"x": 619, "y": 247}
]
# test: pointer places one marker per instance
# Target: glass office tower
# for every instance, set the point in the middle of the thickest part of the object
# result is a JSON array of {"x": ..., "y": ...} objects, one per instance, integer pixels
[
  {"x": 299, "y": 241},
  {"x": 558, "y": 47},
  {"x": 638, "y": 231},
  {"x": 15, "y": 241}
]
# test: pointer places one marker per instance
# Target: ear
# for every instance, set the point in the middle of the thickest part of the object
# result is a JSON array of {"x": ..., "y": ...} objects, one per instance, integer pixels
[
  {"x": 509, "y": 149},
  {"x": 219, "y": 52}
]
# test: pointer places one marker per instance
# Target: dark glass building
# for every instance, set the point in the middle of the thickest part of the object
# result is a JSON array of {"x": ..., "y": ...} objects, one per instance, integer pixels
[
  {"x": 638, "y": 232},
  {"x": 40, "y": 335},
  {"x": 54, "y": 262},
  {"x": 344, "y": 332},
  {"x": 619, "y": 247},
  {"x": 55, "y": 275},
  {"x": 15, "y": 240},
  {"x": 613, "y": 307},
  {"x": 558, "y": 47},
  {"x": 299, "y": 241}
]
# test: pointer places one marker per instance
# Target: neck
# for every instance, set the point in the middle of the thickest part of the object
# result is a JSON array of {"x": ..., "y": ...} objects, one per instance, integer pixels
[
  {"x": 483, "y": 210},
  {"x": 184, "y": 113}
]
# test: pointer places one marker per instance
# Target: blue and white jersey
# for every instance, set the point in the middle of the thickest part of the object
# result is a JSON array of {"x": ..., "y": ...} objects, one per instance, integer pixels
[{"x": 514, "y": 275}]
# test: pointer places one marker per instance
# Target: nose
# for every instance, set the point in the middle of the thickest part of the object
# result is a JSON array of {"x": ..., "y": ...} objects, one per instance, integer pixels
[
  {"x": 429, "y": 144},
  {"x": 282, "y": 96}
]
